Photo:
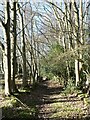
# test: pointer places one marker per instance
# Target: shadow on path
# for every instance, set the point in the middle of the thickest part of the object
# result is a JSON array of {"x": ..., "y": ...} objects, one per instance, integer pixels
[{"x": 42, "y": 96}]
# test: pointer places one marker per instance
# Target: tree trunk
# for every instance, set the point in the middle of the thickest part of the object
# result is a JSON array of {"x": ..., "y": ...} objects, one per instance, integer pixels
[
  {"x": 24, "y": 59},
  {"x": 25, "y": 82},
  {"x": 76, "y": 38},
  {"x": 7, "y": 57},
  {"x": 23, "y": 53},
  {"x": 13, "y": 47},
  {"x": 32, "y": 52},
  {"x": 81, "y": 31}
]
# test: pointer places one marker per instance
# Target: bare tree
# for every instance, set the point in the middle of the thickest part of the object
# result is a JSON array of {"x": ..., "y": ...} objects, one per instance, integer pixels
[
  {"x": 13, "y": 47},
  {"x": 7, "y": 57}
]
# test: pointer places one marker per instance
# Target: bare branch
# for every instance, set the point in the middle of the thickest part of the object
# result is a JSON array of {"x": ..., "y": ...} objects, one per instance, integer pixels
[{"x": 2, "y": 23}]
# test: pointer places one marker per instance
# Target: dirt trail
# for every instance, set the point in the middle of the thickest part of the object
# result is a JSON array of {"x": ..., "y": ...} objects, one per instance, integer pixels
[
  {"x": 52, "y": 105},
  {"x": 49, "y": 94}
]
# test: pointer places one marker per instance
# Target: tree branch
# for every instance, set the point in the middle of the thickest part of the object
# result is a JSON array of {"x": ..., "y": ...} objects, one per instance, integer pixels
[{"x": 3, "y": 24}]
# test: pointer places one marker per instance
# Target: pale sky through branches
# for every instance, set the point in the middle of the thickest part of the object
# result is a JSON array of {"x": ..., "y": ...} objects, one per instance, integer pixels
[{"x": 43, "y": 0}]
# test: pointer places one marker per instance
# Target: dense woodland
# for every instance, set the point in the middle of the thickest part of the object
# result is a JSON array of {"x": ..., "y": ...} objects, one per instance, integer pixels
[{"x": 45, "y": 40}]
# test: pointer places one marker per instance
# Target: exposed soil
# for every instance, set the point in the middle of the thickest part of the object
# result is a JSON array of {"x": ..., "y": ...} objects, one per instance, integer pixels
[
  {"x": 50, "y": 104},
  {"x": 55, "y": 106}
]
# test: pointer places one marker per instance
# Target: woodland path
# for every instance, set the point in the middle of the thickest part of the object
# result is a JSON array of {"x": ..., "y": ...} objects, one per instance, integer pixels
[{"x": 51, "y": 105}]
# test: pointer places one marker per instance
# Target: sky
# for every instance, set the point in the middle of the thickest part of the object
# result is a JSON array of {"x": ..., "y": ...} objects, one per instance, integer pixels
[{"x": 34, "y": 1}]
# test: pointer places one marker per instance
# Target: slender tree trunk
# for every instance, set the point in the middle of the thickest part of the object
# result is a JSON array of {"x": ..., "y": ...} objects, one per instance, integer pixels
[
  {"x": 7, "y": 57},
  {"x": 13, "y": 46},
  {"x": 67, "y": 37},
  {"x": 76, "y": 33},
  {"x": 25, "y": 82},
  {"x": 38, "y": 63},
  {"x": 81, "y": 30},
  {"x": 32, "y": 52},
  {"x": 24, "y": 55}
]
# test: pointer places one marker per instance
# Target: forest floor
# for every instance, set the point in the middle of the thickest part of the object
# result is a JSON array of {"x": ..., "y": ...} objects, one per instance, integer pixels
[{"x": 45, "y": 101}]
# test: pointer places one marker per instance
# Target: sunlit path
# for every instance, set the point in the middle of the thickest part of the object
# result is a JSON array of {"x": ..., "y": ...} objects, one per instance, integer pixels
[{"x": 55, "y": 106}]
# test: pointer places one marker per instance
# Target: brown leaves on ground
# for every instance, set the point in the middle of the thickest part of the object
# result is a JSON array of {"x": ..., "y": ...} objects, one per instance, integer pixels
[{"x": 47, "y": 101}]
